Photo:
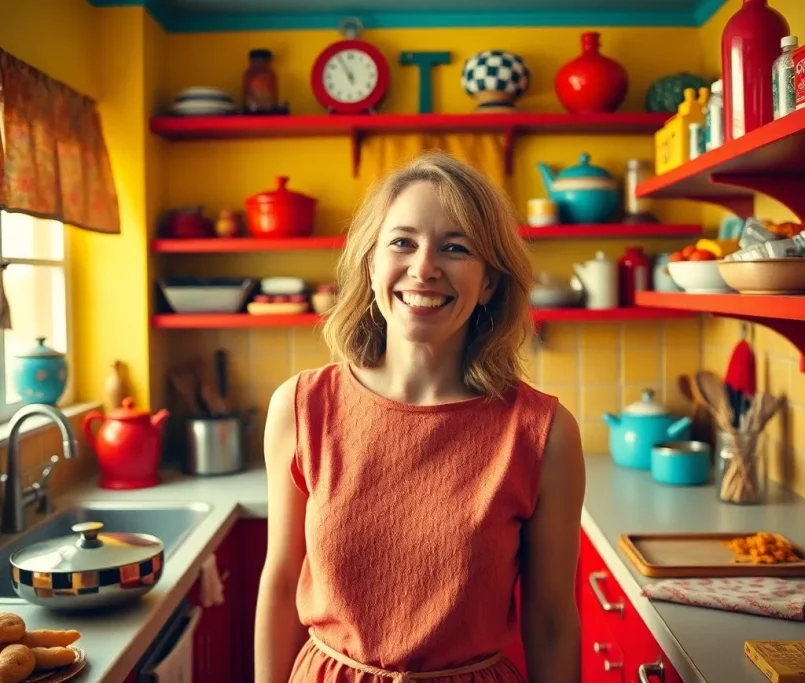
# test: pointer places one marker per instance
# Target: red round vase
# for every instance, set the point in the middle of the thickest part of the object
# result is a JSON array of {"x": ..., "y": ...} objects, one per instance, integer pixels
[{"x": 591, "y": 83}]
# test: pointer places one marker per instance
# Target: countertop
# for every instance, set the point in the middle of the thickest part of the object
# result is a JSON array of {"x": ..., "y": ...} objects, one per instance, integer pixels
[{"x": 704, "y": 645}]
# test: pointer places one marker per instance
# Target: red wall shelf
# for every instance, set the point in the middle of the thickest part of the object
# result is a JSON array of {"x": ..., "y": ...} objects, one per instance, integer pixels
[
  {"x": 769, "y": 160},
  {"x": 783, "y": 314},
  {"x": 356, "y": 127},
  {"x": 220, "y": 245},
  {"x": 242, "y": 320}
]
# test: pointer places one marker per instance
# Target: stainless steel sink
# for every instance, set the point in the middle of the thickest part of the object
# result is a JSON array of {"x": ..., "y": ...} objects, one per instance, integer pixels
[{"x": 170, "y": 522}]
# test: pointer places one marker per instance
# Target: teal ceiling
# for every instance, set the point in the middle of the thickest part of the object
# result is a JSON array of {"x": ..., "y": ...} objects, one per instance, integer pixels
[{"x": 243, "y": 15}]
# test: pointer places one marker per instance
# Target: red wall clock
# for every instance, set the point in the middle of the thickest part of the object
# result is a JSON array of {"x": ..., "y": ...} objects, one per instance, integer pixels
[{"x": 350, "y": 76}]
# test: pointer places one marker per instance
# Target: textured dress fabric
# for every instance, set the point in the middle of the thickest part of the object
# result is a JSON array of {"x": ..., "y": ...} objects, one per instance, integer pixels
[{"x": 412, "y": 526}]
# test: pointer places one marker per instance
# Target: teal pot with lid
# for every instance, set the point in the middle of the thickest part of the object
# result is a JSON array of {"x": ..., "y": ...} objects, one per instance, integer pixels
[
  {"x": 40, "y": 374},
  {"x": 641, "y": 426}
]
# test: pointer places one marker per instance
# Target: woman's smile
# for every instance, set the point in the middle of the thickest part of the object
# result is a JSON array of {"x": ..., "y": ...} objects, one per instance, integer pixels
[{"x": 423, "y": 303}]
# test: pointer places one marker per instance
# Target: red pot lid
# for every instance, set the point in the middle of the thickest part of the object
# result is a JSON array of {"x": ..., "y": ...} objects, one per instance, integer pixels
[
  {"x": 282, "y": 195},
  {"x": 128, "y": 412}
]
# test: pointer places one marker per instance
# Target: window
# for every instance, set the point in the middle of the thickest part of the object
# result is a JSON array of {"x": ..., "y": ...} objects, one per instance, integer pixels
[{"x": 35, "y": 283}]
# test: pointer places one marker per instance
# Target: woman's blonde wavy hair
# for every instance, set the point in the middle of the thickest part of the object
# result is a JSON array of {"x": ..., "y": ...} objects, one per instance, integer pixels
[{"x": 356, "y": 332}]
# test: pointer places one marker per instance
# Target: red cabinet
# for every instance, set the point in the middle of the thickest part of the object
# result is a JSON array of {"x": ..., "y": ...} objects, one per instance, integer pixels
[{"x": 616, "y": 643}]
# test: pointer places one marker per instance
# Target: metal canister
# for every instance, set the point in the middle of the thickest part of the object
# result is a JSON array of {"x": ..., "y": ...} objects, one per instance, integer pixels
[{"x": 695, "y": 140}]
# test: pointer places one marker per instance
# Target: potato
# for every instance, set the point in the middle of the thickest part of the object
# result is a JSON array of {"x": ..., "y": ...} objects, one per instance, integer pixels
[
  {"x": 12, "y": 628},
  {"x": 52, "y": 657},
  {"x": 49, "y": 638},
  {"x": 17, "y": 662}
]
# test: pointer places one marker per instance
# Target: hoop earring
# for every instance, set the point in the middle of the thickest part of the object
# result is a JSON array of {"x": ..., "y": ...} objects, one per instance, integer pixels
[
  {"x": 372, "y": 314},
  {"x": 489, "y": 316}
]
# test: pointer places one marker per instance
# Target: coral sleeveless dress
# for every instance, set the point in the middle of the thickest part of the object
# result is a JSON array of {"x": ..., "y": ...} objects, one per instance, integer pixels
[{"x": 412, "y": 528}]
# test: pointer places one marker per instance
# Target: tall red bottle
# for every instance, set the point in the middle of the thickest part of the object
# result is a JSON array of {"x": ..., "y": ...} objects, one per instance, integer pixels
[{"x": 749, "y": 45}]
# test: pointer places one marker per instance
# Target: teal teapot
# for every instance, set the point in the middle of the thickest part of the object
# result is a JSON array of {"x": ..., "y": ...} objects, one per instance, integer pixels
[
  {"x": 40, "y": 374},
  {"x": 583, "y": 194}
]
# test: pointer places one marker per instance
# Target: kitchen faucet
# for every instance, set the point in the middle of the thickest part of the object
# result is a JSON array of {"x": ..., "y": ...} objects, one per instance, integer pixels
[{"x": 14, "y": 498}]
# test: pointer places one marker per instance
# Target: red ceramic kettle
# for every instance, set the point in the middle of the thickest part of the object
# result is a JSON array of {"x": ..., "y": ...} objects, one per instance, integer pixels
[{"x": 128, "y": 445}]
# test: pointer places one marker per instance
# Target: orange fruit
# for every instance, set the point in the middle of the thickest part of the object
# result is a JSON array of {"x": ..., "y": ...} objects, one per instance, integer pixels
[
  {"x": 688, "y": 250},
  {"x": 676, "y": 256},
  {"x": 702, "y": 255}
]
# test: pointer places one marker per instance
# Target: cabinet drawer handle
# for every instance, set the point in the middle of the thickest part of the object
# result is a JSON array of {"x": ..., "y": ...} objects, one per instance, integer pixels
[
  {"x": 645, "y": 671},
  {"x": 600, "y": 647},
  {"x": 595, "y": 577},
  {"x": 612, "y": 666}
]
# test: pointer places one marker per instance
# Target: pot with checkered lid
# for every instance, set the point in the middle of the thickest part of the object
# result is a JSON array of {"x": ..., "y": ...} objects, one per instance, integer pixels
[
  {"x": 91, "y": 569},
  {"x": 495, "y": 79}
]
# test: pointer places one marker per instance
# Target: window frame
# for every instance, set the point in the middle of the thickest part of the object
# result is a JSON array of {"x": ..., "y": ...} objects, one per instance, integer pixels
[{"x": 7, "y": 410}]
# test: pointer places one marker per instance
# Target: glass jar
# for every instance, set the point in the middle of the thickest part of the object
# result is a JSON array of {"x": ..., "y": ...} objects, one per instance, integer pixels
[
  {"x": 740, "y": 469},
  {"x": 714, "y": 117},
  {"x": 259, "y": 84},
  {"x": 637, "y": 208}
]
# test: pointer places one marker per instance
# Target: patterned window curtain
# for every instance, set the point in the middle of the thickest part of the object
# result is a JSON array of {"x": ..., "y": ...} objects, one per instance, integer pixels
[{"x": 55, "y": 164}]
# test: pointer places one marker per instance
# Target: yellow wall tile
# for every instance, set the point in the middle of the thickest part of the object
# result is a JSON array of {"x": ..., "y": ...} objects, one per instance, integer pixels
[
  {"x": 596, "y": 335},
  {"x": 680, "y": 360},
  {"x": 600, "y": 365},
  {"x": 641, "y": 334},
  {"x": 641, "y": 364},
  {"x": 682, "y": 332},
  {"x": 561, "y": 335},
  {"x": 559, "y": 366},
  {"x": 597, "y": 399}
]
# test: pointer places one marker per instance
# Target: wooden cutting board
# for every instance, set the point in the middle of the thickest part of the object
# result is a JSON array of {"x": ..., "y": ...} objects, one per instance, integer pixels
[{"x": 693, "y": 555}]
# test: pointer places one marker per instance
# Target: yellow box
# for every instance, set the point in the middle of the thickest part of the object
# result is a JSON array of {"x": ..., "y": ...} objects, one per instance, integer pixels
[
  {"x": 781, "y": 661},
  {"x": 672, "y": 141}
]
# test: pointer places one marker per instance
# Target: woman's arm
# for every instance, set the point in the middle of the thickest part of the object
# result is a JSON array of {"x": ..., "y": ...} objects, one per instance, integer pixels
[
  {"x": 550, "y": 617},
  {"x": 278, "y": 634}
]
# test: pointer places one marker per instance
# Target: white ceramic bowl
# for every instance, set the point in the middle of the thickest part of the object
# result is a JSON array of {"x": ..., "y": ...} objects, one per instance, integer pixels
[{"x": 698, "y": 277}]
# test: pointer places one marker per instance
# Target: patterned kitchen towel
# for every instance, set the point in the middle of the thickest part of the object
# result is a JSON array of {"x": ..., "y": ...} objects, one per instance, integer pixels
[{"x": 766, "y": 596}]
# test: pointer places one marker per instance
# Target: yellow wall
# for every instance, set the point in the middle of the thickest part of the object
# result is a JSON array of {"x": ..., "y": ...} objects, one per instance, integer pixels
[
  {"x": 100, "y": 53},
  {"x": 778, "y": 360},
  {"x": 592, "y": 367}
]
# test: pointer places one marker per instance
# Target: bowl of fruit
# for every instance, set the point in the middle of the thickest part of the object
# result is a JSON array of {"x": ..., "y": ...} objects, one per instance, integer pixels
[{"x": 694, "y": 268}]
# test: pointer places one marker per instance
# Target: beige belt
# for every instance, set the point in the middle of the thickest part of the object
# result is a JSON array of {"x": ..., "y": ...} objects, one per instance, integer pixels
[{"x": 402, "y": 676}]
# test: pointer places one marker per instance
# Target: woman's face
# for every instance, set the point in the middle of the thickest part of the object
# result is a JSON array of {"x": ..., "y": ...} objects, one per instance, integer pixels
[{"x": 426, "y": 276}]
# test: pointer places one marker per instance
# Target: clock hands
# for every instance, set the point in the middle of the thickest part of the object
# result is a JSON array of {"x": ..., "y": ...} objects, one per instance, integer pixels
[{"x": 343, "y": 64}]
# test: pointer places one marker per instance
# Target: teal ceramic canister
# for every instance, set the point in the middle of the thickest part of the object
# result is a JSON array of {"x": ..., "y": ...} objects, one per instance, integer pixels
[{"x": 40, "y": 374}]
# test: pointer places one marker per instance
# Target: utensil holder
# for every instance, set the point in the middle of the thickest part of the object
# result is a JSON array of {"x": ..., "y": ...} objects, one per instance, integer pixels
[{"x": 740, "y": 468}]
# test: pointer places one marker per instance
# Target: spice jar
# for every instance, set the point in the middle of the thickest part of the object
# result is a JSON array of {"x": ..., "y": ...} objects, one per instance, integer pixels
[
  {"x": 259, "y": 84},
  {"x": 740, "y": 468}
]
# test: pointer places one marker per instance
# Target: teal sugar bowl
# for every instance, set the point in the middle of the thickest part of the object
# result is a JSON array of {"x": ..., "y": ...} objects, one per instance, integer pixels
[{"x": 40, "y": 374}]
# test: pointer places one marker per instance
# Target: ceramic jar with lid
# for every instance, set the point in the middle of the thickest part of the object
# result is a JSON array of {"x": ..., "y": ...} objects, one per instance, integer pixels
[
  {"x": 89, "y": 570},
  {"x": 128, "y": 445},
  {"x": 280, "y": 212},
  {"x": 40, "y": 374}
]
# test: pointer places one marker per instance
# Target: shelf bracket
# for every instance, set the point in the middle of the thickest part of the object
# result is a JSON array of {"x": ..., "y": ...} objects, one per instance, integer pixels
[
  {"x": 356, "y": 138},
  {"x": 786, "y": 188},
  {"x": 508, "y": 150},
  {"x": 793, "y": 330},
  {"x": 742, "y": 206}
]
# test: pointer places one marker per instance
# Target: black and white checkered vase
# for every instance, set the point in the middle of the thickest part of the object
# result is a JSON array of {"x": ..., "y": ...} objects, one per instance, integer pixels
[{"x": 495, "y": 71}]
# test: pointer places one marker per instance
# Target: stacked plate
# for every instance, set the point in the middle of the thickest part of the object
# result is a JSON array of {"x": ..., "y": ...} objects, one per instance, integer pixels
[{"x": 201, "y": 101}]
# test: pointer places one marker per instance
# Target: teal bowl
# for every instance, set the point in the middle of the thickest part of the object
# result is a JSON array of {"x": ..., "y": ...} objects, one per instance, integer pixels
[{"x": 681, "y": 463}]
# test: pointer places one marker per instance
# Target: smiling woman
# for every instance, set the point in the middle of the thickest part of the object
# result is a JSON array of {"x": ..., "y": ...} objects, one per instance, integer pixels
[{"x": 426, "y": 478}]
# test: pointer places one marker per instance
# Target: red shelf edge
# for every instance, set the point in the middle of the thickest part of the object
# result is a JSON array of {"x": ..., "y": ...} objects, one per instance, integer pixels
[
  {"x": 780, "y": 313},
  {"x": 215, "y": 245},
  {"x": 357, "y": 127},
  {"x": 740, "y": 187}
]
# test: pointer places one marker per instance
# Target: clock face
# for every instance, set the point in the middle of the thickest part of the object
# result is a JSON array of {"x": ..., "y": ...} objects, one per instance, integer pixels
[{"x": 350, "y": 76}]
